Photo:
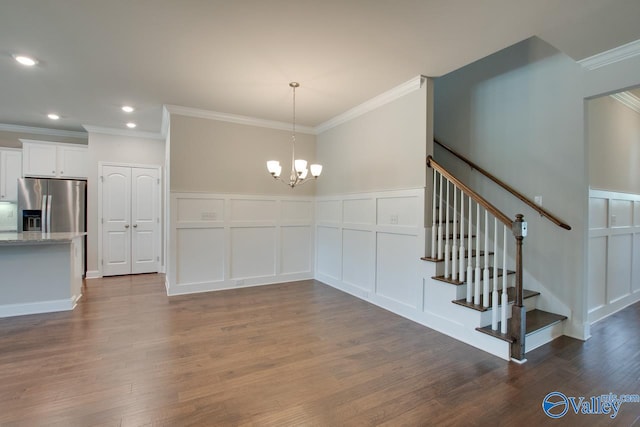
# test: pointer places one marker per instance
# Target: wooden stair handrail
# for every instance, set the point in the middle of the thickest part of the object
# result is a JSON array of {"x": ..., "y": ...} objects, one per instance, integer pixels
[
  {"x": 475, "y": 196},
  {"x": 543, "y": 212}
]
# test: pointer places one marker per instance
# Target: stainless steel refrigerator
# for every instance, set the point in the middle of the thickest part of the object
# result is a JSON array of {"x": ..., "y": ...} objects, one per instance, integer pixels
[{"x": 52, "y": 205}]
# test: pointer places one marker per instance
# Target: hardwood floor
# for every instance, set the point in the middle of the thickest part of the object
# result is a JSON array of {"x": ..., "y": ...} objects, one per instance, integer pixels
[{"x": 294, "y": 354}]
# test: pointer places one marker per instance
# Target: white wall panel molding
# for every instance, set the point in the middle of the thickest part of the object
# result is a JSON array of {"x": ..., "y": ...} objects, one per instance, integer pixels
[
  {"x": 224, "y": 241},
  {"x": 370, "y": 244},
  {"x": 614, "y": 252}
]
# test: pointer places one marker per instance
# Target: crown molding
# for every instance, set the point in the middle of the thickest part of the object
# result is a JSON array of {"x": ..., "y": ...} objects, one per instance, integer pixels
[
  {"x": 376, "y": 102},
  {"x": 628, "y": 99},
  {"x": 42, "y": 131},
  {"x": 124, "y": 132},
  {"x": 234, "y": 118},
  {"x": 608, "y": 57}
]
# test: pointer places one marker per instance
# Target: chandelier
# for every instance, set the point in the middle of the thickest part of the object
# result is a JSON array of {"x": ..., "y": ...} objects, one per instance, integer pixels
[{"x": 299, "y": 169}]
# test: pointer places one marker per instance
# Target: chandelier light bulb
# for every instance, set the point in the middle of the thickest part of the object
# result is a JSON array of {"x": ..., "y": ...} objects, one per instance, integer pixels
[{"x": 316, "y": 170}]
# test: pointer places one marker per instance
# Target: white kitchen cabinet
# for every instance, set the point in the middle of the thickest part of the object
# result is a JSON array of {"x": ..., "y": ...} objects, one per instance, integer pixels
[
  {"x": 10, "y": 171},
  {"x": 53, "y": 160}
]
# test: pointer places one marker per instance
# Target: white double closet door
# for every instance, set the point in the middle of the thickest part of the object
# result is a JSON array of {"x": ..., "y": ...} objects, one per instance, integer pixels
[{"x": 130, "y": 220}]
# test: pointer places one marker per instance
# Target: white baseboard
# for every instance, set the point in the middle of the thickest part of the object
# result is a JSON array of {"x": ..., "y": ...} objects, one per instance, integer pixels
[
  {"x": 93, "y": 274},
  {"x": 9, "y": 310},
  {"x": 192, "y": 288}
]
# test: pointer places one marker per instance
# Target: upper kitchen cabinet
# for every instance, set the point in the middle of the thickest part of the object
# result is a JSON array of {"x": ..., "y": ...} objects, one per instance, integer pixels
[
  {"x": 53, "y": 160},
  {"x": 10, "y": 171}
]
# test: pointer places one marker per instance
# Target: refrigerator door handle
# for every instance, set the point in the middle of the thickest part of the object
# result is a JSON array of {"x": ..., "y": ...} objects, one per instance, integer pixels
[
  {"x": 48, "y": 226},
  {"x": 43, "y": 214}
]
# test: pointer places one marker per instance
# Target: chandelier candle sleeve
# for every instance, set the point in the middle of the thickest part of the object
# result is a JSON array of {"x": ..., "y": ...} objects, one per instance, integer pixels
[{"x": 299, "y": 170}]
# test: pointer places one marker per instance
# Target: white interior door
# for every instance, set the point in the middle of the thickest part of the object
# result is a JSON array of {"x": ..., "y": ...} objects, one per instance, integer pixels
[
  {"x": 131, "y": 221},
  {"x": 116, "y": 220},
  {"x": 144, "y": 220}
]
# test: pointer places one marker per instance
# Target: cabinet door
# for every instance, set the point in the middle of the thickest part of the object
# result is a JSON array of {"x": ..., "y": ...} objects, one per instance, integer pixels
[
  {"x": 39, "y": 160},
  {"x": 10, "y": 171},
  {"x": 72, "y": 162}
]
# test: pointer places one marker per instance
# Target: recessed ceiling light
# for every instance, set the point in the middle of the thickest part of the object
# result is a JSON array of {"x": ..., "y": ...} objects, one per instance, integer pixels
[
  {"x": 25, "y": 60},
  {"x": 127, "y": 109},
  {"x": 131, "y": 125},
  {"x": 53, "y": 116}
]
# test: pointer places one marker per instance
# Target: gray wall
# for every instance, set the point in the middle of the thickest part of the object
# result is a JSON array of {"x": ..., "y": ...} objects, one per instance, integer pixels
[
  {"x": 613, "y": 135},
  {"x": 221, "y": 157},
  {"x": 519, "y": 114},
  {"x": 383, "y": 149}
]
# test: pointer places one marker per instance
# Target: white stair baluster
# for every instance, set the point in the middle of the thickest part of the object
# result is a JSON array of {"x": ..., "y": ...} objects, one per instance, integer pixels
[
  {"x": 454, "y": 246},
  {"x": 505, "y": 297},
  {"x": 447, "y": 243},
  {"x": 440, "y": 228},
  {"x": 476, "y": 294},
  {"x": 486, "y": 279},
  {"x": 434, "y": 229},
  {"x": 469, "y": 258},
  {"x": 495, "y": 295},
  {"x": 461, "y": 256}
]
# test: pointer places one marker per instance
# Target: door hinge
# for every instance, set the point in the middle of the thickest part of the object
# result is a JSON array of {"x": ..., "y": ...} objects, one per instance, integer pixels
[
  {"x": 157, "y": 258},
  {"x": 101, "y": 178},
  {"x": 158, "y": 220},
  {"x": 101, "y": 262},
  {"x": 102, "y": 219},
  {"x": 158, "y": 179}
]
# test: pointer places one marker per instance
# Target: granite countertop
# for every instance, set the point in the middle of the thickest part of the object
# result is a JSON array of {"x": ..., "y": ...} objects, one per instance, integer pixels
[{"x": 37, "y": 237}]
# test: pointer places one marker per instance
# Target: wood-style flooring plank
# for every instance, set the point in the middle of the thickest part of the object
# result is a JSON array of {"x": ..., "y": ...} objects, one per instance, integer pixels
[{"x": 291, "y": 354}]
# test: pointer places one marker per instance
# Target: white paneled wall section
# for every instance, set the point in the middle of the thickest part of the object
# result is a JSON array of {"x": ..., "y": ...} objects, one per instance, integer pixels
[
  {"x": 614, "y": 252},
  {"x": 222, "y": 241},
  {"x": 370, "y": 245}
]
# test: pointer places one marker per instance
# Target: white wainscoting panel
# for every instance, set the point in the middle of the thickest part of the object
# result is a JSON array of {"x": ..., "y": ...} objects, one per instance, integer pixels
[
  {"x": 396, "y": 273},
  {"x": 370, "y": 244},
  {"x": 200, "y": 255},
  {"x": 296, "y": 245},
  {"x": 359, "y": 257},
  {"x": 329, "y": 252},
  {"x": 222, "y": 241},
  {"x": 614, "y": 252},
  {"x": 253, "y": 252},
  {"x": 244, "y": 210},
  {"x": 359, "y": 211}
]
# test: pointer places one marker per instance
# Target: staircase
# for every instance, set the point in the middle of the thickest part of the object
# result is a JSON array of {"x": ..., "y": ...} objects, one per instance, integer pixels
[{"x": 474, "y": 273}]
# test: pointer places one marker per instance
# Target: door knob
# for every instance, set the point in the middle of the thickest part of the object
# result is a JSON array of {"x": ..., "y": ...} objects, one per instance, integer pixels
[
  {"x": 126, "y": 226},
  {"x": 135, "y": 225}
]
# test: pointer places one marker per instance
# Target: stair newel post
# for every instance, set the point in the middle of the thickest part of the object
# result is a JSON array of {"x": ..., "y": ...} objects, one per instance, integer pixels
[
  {"x": 440, "y": 210},
  {"x": 454, "y": 246},
  {"x": 476, "y": 293},
  {"x": 505, "y": 295},
  {"x": 434, "y": 230},
  {"x": 495, "y": 295},
  {"x": 486, "y": 282},
  {"x": 461, "y": 256},
  {"x": 469, "y": 258},
  {"x": 447, "y": 243},
  {"x": 518, "y": 313}
]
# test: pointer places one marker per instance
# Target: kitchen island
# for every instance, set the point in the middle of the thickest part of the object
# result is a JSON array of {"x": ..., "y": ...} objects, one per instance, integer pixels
[{"x": 40, "y": 272}]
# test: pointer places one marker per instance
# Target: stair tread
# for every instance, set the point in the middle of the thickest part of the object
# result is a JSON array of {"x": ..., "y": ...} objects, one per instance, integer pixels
[
  {"x": 458, "y": 282},
  {"x": 536, "y": 321},
  {"x": 466, "y": 255},
  {"x": 511, "y": 296}
]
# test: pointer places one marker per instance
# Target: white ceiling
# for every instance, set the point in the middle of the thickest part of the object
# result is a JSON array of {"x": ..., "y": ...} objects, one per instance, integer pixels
[{"x": 238, "y": 56}]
